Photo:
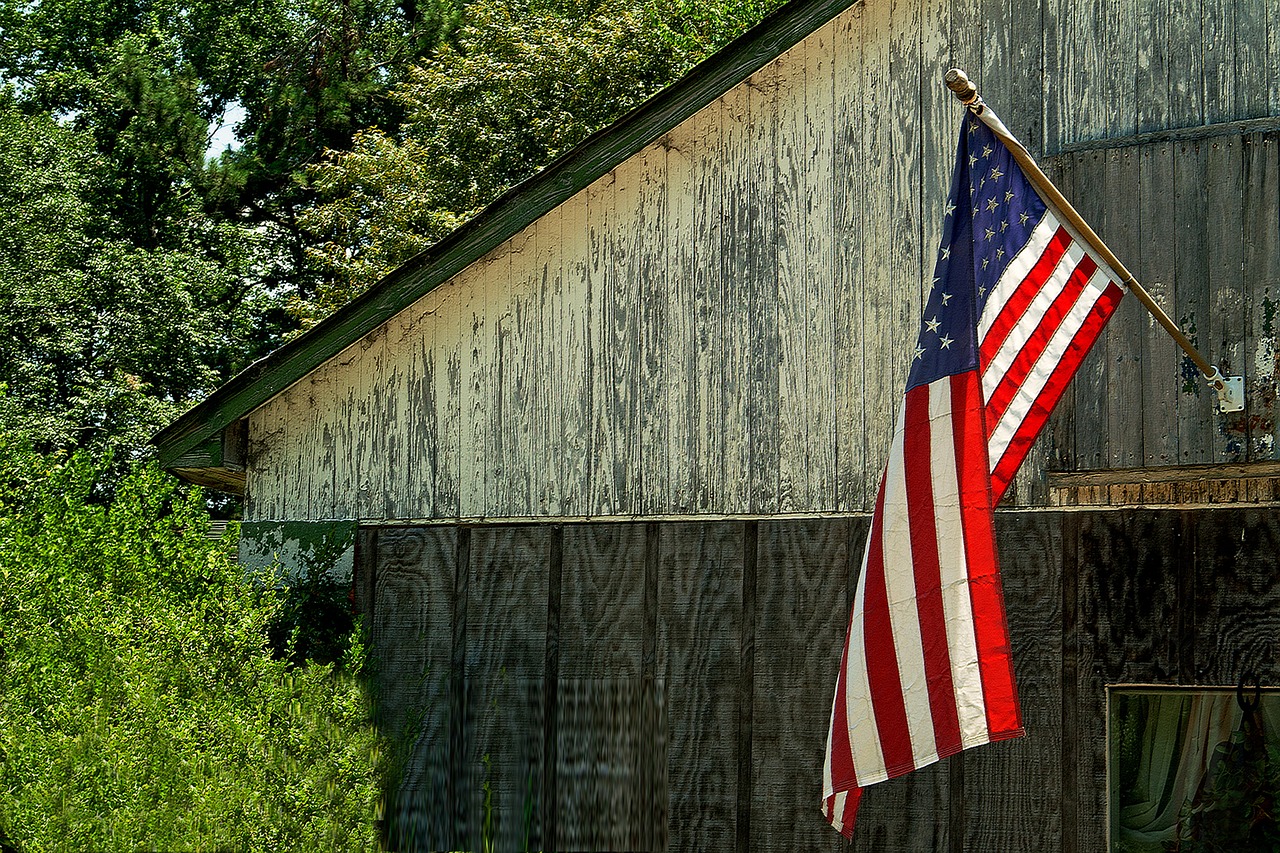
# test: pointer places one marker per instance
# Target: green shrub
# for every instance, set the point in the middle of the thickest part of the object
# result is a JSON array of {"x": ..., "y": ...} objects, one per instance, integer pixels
[{"x": 140, "y": 707}]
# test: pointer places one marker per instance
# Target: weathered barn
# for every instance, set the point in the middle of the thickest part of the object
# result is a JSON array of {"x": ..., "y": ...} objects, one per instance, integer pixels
[{"x": 601, "y": 460}]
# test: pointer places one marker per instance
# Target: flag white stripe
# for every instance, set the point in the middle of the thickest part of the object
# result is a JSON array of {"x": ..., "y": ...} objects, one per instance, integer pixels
[
  {"x": 904, "y": 614},
  {"x": 1017, "y": 270},
  {"x": 956, "y": 605},
  {"x": 1023, "y": 330},
  {"x": 860, "y": 713},
  {"x": 1030, "y": 389}
]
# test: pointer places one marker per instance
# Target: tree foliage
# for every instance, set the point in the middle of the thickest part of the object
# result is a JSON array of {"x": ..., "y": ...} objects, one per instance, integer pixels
[
  {"x": 520, "y": 83},
  {"x": 140, "y": 707}
]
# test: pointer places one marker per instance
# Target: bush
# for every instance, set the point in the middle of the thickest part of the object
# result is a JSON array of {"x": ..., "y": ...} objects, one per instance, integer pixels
[{"x": 140, "y": 707}]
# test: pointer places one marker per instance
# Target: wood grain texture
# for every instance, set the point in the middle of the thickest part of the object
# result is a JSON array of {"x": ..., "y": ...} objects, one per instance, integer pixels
[
  {"x": 602, "y": 603},
  {"x": 1261, "y": 185},
  {"x": 849, "y": 248},
  {"x": 655, "y": 333},
  {"x": 1238, "y": 596},
  {"x": 800, "y": 573},
  {"x": 1013, "y": 791},
  {"x": 721, "y": 325},
  {"x": 1089, "y": 387},
  {"x": 1157, "y": 232},
  {"x": 411, "y": 631},
  {"x": 1127, "y": 612},
  {"x": 791, "y": 209},
  {"x": 1191, "y": 299},
  {"x": 1224, "y": 191},
  {"x": 1127, "y": 330},
  {"x": 698, "y": 648}
]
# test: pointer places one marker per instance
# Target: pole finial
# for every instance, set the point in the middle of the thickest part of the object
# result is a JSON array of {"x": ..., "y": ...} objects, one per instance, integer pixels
[{"x": 959, "y": 82}]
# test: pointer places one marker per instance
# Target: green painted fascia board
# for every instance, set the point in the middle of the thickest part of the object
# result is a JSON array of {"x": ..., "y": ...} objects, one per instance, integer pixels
[{"x": 514, "y": 210}]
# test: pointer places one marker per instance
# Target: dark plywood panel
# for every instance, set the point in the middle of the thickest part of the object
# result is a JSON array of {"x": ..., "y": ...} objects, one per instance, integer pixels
[
  {"x": 506, "y": 650},
  {"x": 698, "y": 656},
  {"x": 1238, "y": 596},
  {"x": 801, "y": 580},
  {"x": 609, "y": 740},
  {"x": 602, "y": 601},
  {"x": 412, "y": 640},
  {"x": 1013, "y": 791},
  {"x": 1128, "y": 632}
]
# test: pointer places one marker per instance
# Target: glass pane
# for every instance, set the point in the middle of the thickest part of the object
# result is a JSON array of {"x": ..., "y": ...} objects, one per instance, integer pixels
[{"x": 1194, "y": 770}]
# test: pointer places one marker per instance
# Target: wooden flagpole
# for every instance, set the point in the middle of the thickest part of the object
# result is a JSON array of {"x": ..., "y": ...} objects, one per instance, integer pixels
[{"x": 1230, "y": 392}]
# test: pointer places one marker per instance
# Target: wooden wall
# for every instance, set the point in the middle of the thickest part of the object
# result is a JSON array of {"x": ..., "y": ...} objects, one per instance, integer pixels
[
  {"x": 722, "y": 324},
  {"x": 667, "y": 686}
]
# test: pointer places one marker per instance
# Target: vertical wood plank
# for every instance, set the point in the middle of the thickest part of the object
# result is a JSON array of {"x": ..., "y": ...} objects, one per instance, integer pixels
[
  {"x": 735, "y": 301},
  {"x": 709, "y": 307},
  {"x": 1261, "y": 184},
  {"x": 602, "y": 603},
  {"x": 800, "y": 604},
  {"x": 790, "y": 209},
  {"x": 1157, "y": 238},
  {"x": 320, "y": 442},
  {"x": 654, "y": 493},
  {"x": 575, "y": 365},
  {"x": 515, "y": 314},
  {"x": 1026, "y": 48},
  {"x": 346, "y": 373},
  {"x": 698, "y": 622},
  {"x": 1237, "y": 596},
  {"x": 1253, "y": 74},
  {"x": 762, "y": 304},
  {"x": 448, "y": 355},
  {"x": 546, "y": 388},
  {"x": 1273, "y": 59},
  {"x": 886, "y": 299},
  {"x": 1225, "y": 190},
  {"x": 850, "y": 333},
  {"x": 401, "y": 417},
  {"x": 680, "y": 353},
  {"x": 623, "y": 324},
  {"x": 411, "y": 633},
  {"x": 1191, "y": 298},
  {"x": 1013, "y": 791},
  {"x": 1090, "y": 387},
  {"x": 820, "y": 333},
  {"x": 1124, "y": 620},
  {"x": 1155, "y": 64},
  {"x": 1218, "y": 44},
  {"x": 1126, "y": 332},
  {"x": 369, "y": 426},
  {"x": 1186, "y": 90},
  {"x": 506, "y": 641},
  {"x": 477, "y": 448}
]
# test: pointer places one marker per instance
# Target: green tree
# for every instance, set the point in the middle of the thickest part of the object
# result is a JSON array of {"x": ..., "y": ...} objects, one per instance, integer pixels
[
  {"x": 519, "y": 84},
  {"x": 140, "y": 707}
]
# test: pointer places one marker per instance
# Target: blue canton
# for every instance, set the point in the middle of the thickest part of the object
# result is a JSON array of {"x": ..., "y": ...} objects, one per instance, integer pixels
[{"x": 989, "y": 217}]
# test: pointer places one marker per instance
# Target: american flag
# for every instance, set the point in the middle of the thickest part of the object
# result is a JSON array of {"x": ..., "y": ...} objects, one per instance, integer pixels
[{"x": 1016, "y": 302}]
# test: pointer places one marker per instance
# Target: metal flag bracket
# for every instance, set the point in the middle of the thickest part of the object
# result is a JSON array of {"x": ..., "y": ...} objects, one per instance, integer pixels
[{"x": 1230, "y": 390}]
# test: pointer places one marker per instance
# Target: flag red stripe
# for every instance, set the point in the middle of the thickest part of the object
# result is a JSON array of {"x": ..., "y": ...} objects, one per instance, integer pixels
[
  {"x": 1039, "y": 340},
  {"x": 995, "y": 661},
  {"x": 1022, "y": 296},
  {"x": 917, "y": 455},
  {"x": 1029, "y": 428},
  {"x": 842, "y": 769},
  {"x": 884, "y": 679}
]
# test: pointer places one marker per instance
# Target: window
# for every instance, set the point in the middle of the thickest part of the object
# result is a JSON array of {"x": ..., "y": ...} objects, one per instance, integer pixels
[{"x": 1193, "y": 769}]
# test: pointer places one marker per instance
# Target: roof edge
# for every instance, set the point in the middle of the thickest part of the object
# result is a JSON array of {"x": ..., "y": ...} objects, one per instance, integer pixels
[{"x": 514, "y": 210}]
